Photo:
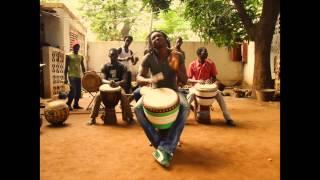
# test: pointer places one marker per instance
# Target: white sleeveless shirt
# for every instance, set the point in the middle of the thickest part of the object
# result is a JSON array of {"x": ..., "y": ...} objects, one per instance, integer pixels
[{"x": 125, "y": 54}]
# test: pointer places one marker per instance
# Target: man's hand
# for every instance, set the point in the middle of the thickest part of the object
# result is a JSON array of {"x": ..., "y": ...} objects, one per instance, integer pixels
[
  {"x": 157, "y": 77},
  {"x": 113, "y": 84},
  {"x": 130, "y": 58},
  {"x": 174, "y": 62},
  {"x": 208, "y": 81},
  {"x": 136, "y": 59},
  {"x": 201, "y": 81}
]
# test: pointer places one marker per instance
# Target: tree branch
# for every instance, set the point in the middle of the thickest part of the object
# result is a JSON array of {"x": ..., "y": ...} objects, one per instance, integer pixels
[{"x": 247, "y": 21}]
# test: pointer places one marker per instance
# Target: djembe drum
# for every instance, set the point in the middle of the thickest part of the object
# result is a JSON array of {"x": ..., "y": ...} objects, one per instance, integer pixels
[
  {"x": 91, "y": 81},
  {"x": 110, "y": 97},
  {"x": 161, "y": 107},
  {"x": 56, "y": 112},
  {"x": 145, "y": 89},
  {"x": 205, "y": 96}
]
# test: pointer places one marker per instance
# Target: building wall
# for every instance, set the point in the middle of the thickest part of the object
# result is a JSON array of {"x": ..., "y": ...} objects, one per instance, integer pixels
[
  {"x": 249, "y": 66},
  {"x": 53, "y": 30},
  {"x": 57, "y": 30},
  {"x": 72, "y": 24},
  {"x": 229, "y": 72}
]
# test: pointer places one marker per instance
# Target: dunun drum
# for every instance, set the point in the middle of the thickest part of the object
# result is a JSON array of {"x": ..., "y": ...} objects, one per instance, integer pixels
[
  {"x": 205, "y": 95},
  {"x": 110, "y": 97},
  {"x": 91, "y": 81},
  {"x": 161, "y": 107},
  {"x": 56, "y": 112}
]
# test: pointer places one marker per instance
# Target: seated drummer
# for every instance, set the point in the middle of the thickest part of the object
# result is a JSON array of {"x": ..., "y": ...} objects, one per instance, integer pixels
[
  {"x": 157, "y": 60},
  {"x": 115, "y": 74},
  {"x": 203, "y": 70}
]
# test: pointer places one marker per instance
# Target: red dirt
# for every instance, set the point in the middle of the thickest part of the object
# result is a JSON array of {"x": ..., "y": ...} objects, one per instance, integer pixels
[{"x": 249, "y": 151}]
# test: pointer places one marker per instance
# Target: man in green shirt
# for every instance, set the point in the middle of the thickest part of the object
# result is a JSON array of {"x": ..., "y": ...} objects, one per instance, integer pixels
[{"x": 74, "y": 62}]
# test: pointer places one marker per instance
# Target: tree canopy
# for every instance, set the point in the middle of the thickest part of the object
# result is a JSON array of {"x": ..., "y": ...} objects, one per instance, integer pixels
[
  {"x": 110, "y": 19},
  {"x": 173, "y": 22},
  {"x": 218, "y": 20}
]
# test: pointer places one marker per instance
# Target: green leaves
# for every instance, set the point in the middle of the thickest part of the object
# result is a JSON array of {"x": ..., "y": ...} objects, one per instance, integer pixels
[
  {"x": 218, "y": 20},
  {"x": 173, "y": 23},
  {"x": 158, "y": 5},
  {"x": 107, "y": 18}
]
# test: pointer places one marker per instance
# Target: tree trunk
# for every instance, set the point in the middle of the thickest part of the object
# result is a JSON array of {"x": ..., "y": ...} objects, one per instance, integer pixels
[
  {"x": 126, "y": 29},
  {"x": 262, "y": 72},
  {"x": 263, "y": 38}
]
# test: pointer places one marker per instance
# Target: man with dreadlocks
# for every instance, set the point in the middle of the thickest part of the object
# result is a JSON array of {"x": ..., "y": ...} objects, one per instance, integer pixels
[{"x": 159, "y": 60}]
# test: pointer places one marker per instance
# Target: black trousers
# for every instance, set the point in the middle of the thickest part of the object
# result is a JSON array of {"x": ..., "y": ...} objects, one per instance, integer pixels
[
  {"x": 128, "y": 85},
  {"x": 75, "y": 91}
]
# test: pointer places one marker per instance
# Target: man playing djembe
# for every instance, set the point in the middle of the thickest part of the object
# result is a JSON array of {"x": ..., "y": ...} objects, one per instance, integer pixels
[
  {"x": 114, "y": 74},
  {"x": 159, "y": 60},
  {"x": 203, "y": 70}
]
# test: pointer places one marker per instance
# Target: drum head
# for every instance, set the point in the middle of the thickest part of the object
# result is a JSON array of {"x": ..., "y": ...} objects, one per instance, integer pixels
[
  {"x": 145, "y": 89},
  {"x": 108, "y": 88},
  {"x": 206, "y": 87},
  {"x": 91, "y": 82},
  {"x": 160, "y": 98},
  {"x": 58, "y": 104}
]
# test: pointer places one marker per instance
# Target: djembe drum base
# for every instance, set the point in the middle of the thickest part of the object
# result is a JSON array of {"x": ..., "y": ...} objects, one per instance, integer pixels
[
  {"x": 203, "y": 115},
  {"x": 109, "y": 116}
]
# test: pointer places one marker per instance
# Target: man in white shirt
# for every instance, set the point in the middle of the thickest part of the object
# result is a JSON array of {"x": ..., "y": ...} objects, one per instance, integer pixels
[{"x": 127, "y": 59}]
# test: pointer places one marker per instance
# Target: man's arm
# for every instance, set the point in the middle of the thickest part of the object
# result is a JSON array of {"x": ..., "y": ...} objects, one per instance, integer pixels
[
  {"x": 182, "y": 72},
  {"x": 194, "y": 81},
  {"x": 66, "y": 69},
  {"x": 104, "y": 70},
  {"x": 213, "y": 72},
  {"x": 143, "y": 73},
  {"x": 213, "y": 79},
  {"x": 123, "y": 82},
  {"x": 190, "y": 75},
  {"x": 82, "y": 66}
]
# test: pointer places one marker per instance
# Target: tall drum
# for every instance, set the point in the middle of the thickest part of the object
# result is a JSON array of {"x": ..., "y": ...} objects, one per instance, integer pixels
[
  {"x": 205, "y": 93},
  {"x": 91, "y": 81},
  {"x": 161, "y": 107},
  {"x": 110, "y": 97},
  {"x": 56, "y": 112},
  {"x": 205, "y": 96}
]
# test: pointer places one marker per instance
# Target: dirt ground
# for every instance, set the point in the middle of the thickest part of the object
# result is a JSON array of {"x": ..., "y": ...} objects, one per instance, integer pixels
[{"x": 249, "y": 151}]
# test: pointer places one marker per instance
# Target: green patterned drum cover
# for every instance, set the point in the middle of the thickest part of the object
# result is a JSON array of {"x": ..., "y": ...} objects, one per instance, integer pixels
[{"x": 161, "y": 107}]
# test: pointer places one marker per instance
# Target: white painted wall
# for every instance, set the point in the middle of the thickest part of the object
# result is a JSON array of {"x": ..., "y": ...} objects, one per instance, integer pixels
[
  {"x": 249, "y": 66},
  {"x": 229, "y": 72}
]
